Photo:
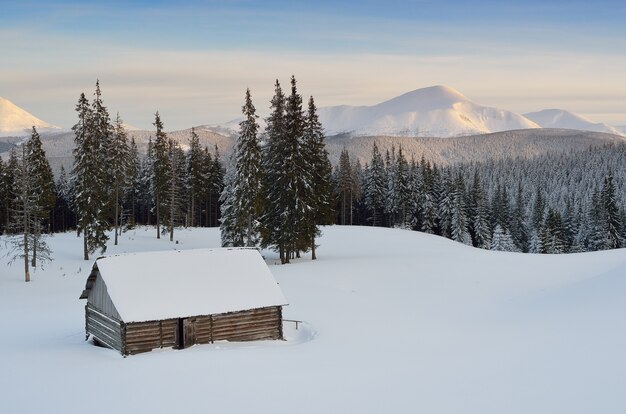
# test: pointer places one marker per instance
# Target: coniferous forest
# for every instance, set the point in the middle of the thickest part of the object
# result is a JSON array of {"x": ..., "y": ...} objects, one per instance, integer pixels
[{"x": 278, "y": 187}]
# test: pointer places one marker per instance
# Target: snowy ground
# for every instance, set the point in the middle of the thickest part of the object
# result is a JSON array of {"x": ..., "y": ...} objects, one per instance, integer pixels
[{"x": 396, "y": 321}]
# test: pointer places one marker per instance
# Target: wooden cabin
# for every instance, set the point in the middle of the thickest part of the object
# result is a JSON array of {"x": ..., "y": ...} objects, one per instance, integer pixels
[{"x": 142, "y": 301}]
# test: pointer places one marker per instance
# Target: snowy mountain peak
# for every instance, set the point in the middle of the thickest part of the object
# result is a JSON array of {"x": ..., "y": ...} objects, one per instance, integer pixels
[
  {"x": 16, "y": 121},
  {"x": 560, "y": 118},
  {"x": 436, "y": 111}
]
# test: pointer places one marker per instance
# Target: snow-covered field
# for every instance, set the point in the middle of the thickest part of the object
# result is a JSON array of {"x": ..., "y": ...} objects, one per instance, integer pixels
[{"x": 395, "y": 321}]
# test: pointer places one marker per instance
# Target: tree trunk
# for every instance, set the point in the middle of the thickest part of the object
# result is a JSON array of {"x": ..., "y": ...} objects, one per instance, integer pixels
[
  {"x": 33, "y": 262},
  {"x": 158, "y": 217},
  {"x": 249, "y": 241},
  {"x": 193, "y": 210},
  {"x": 313, "y": 256},
  {"x": 85, "y": 251},
  {"x": 117, "y": 197},
  {"x": 350, "y": 207},
  {"x": 26, "y": 269}
]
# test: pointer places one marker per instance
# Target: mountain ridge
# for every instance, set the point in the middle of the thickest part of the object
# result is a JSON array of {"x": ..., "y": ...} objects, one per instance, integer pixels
[{"x": 15, "y": 121}]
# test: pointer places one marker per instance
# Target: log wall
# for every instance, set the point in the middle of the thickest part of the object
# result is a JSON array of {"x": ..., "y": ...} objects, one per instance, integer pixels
[
  {"x": 146, "y": 336},
  {"x": 252, "y": 325},
  {"x": 103, "y": 327},
  {"x": 136, "y": 337}
]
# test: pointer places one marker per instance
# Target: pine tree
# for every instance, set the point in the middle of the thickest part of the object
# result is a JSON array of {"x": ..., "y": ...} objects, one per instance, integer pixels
[
  {"x": 478, "y": 215},
  {"x": 63, "y": 212},
  {"x": 375, "y": 187},
  {"x": 42, "y": 187},
  {"x": 160, "y": 175},
  {"x": 273, "y": 158},
  {"x": 458, "y": 221},
  {"x": 501, "y": 240},
  {"x": 345, "y": 187},
  {"x": 445, "y": 206},
  {"x": 198, "y": 180},
  {"x": 553, "y": 239},
  {"x": 26, "y": 214},
  {"x": 427, "y": 204},
  {"x": 322, "y": 210},
  {"x": 3, "y": 197},
  {"x": 10, "y": 173},
  {"x": 119, "y": 166},
  {"x": 612, "y": 217},
  {"x": 216, "y": 187},
  {"x": 176, "y": 178},
  {"x": 89, "y": 177},
  {"x": 297, "y": 177},
  {"x": 243, "y": 202},
  {"x": 519, "y": 230},
  {"x": 134, "y": 185}
]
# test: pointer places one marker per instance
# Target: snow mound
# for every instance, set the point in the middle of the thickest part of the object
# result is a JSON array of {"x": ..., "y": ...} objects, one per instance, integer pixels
[
  {"x": 14, "y": 121},
  {"x": 560, "y": 118}
]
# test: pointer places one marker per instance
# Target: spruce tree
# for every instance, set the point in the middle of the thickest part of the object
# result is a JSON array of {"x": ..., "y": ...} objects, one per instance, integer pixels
[
  {"x": 321, "y": 170},
  {"x": 27, "y": 213},
  {"x": 119, "y": 167},
  {"x": 244, "y": 200},
  {"x": 43, "y": 188},
  {"x": 198, "y": 180},
  {"x": 345, "y": 186},
  {"x": 274, "y": 155},
  {"x": 458, "y": 220},
  {"x": 161, "y": 172},
  {"x": 553, "y": 238},
  {"x": 478, "y": 215},
  {"x": 175, "y": 191},
  {"x": 501, "y": 240},
  {"x": 612, "y": 216},
  {"x": 375, "y": 187},
  {"x": 89, "y": 176},
  {"x": 134, "y": 182},
  {"x": 3, "y": 197},
  {"x": 297, "y": 177}
]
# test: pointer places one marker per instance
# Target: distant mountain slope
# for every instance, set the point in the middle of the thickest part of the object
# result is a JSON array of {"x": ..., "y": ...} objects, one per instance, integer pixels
[
  {"x": 437, "y": 111},
  {"x": 58, "y": 145},
  {"x": 500, "y": 145},
  {"x": 559, "y": 118},
  {"x": 14, "y": 121}
]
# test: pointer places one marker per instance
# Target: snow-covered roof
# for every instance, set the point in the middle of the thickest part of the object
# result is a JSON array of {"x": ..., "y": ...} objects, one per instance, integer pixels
[{"x": 173, "y": 284}]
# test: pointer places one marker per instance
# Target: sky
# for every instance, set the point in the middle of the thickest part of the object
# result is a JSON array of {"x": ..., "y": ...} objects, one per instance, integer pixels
[{"x": 193, "y": 60}]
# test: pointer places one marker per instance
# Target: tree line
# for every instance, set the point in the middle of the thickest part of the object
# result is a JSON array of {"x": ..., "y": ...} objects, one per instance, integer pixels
[
  {"x": 110, "y": 187},
  {"x": 554, "y": 203},
  {"x": 279, "y": 187}
]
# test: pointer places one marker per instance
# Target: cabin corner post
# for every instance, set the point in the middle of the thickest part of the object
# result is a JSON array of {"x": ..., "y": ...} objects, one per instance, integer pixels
[
  {"x": 86, "y": 323},
  {"x": 123, "y": 331},
  {"x": 280, "y": 323}
]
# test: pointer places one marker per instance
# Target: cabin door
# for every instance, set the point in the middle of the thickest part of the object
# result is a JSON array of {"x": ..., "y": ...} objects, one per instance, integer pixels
[{"x": 189, "y": 332}]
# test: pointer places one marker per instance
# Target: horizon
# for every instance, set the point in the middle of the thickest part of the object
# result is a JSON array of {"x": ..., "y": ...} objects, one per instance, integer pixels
[{"x": 193, "y": 62}]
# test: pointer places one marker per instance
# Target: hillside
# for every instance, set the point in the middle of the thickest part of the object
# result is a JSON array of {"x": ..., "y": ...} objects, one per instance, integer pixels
[
  {"x": 520, "y": 143},
  {"x": 390, "y": 322},
  {"x": 559, "y": 118},
  {"x": 437, "y": 111}
]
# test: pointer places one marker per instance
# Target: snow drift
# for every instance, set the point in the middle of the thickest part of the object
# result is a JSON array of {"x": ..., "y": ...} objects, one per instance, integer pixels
[{"x": 395, "y": 321}]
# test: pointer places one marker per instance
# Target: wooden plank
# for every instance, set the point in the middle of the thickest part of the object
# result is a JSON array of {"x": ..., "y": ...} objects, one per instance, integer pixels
[
  {"x": 102, "y": 326},
  {"x": 114, "y": 343},
  {"x": 246, "y": 325},
  {"x": 94, "y": 311}
]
